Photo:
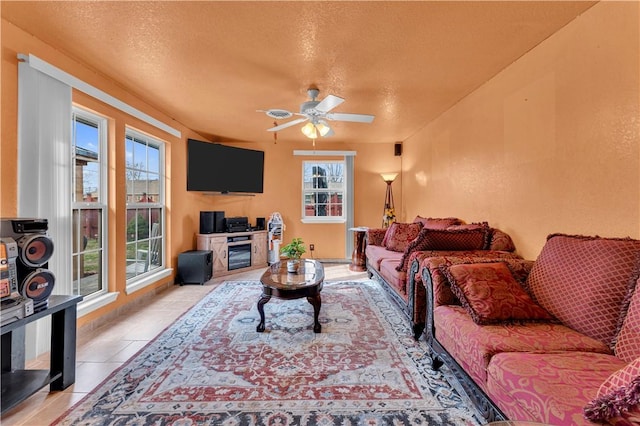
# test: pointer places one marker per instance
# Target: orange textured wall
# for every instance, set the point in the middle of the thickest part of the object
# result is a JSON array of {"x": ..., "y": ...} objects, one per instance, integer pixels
[
  {"x": 550, "y": 144},
  {"x": 282, "y": 171}
]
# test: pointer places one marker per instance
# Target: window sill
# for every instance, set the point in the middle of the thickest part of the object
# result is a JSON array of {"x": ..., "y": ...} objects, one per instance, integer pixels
[
  {"x": 96, "y": 303},
  {"x": 323, "y": 220},
  {"x": 147, "y": 280}
]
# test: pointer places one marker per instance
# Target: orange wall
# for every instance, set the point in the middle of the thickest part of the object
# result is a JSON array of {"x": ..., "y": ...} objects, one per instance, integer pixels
[
  {"x": 282, "y": 171},
  {"x": 550, "y": 144}
]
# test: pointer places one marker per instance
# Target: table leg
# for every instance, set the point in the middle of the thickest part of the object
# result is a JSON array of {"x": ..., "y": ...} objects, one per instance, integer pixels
[
  {"x": 358, "y": 257},
  {"x": 261, "y": 302},
  {"x": 316, "y": 302}
]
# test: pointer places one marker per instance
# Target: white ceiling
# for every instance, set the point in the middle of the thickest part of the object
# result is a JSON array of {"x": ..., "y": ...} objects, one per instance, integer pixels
[{"x": 212, "y": 64}]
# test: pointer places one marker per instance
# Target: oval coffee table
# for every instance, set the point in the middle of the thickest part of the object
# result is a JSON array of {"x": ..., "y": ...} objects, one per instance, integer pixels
[{"x": 307, "y": 282}]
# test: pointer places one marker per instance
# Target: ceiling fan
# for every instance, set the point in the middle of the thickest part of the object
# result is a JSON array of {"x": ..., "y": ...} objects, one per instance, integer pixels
[{"x": 317, "y": 113}]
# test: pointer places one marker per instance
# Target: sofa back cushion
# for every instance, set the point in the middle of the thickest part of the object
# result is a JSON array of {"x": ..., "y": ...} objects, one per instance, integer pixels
[
  {"x": 437, "y": 222},
  {"x": 490, "y": 294},
  {"x": 583, "y": 281},
  {"x": 399, "y": 235},
  {"x": 627, "y": 345}
]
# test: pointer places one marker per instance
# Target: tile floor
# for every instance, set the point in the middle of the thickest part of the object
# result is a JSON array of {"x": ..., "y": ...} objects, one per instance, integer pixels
[{"x": 103, "y": 349}]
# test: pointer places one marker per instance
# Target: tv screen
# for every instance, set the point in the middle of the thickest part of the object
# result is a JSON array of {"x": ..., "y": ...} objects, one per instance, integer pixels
[{"x": 212, "y": 167}]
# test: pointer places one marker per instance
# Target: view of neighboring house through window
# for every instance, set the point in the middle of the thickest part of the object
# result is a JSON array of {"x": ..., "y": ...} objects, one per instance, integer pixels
[
  {"x": 323, "y": 190},
  {"x": 145, "y": 203},
  {"x": 89, "y": 190}
]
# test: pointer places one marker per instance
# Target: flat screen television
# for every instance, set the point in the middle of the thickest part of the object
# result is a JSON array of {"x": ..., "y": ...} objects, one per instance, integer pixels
[{"x": 213, "y": 167}]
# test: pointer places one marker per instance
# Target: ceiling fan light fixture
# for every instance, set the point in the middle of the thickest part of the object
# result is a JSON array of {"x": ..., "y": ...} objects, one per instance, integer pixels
[
  {"x": 310, "y": 131},
  {"x": 323, "y": 128}
]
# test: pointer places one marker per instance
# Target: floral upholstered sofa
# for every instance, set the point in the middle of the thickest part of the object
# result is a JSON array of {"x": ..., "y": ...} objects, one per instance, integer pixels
[
  {"x": 390, "y": 252},
  {"x": 555, "y": 341}
]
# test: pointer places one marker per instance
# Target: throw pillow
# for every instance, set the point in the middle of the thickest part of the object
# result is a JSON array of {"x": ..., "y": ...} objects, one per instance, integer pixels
[
  {"x": 583, "y": 281},
  {"x": 490, "y": 294},
  {"x": 627, "y": 344},
  {"x": 400, "y": 235},
  {"x": 618, "y": 399},
  {"x": 501, "y": 241},
  {"x": 437, "y": 222},
  {"x": 445, "y": 240}
]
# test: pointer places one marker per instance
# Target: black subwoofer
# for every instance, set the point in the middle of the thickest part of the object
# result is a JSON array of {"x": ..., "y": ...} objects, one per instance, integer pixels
[{"x": 195, "y": 267}]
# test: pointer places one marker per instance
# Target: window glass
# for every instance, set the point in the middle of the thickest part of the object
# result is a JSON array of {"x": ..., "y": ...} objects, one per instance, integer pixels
[{"x": 323, "y": 190}]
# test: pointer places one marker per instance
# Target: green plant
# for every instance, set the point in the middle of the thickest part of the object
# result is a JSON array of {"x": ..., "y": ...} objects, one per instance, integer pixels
[{"x": 294, "y": 250}]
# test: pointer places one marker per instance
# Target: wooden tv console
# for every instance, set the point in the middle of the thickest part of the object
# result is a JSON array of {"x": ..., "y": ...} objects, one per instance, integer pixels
[{"x": 219, "y": 244}]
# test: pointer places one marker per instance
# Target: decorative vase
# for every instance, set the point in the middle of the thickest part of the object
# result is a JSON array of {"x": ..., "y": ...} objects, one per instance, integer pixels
[{"x": 292, "y": 265}]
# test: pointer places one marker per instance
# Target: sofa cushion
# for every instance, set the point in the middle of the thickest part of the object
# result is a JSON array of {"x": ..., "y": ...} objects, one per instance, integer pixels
[
  {"x": 627, "y": 345},
  {"x": 375, "y": 236},
  {"x": 397, "y": 280},
  {"x": 501, "y": 241},
  {"x": 437, "y": 222},
  {"x": 550, "y": 388},
  {"x": 430, "y": 263},
  {"x": 400, "y": 235},
  {"x": 490, "y": 294},
  {"x": 446, "y": 240},
  {"x": 583, "y": 281},
  {"x": 618, "y": 398},
  {"x": 473, "y": 345},
  {"x": 375, "y": 254}
]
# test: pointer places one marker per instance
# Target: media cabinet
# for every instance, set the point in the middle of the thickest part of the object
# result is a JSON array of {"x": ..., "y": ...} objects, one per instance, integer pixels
[{"x": 230, "y": 250}]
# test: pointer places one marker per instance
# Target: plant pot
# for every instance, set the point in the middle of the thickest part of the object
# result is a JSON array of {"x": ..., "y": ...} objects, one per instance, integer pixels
[{"x": 292, "y": 265}]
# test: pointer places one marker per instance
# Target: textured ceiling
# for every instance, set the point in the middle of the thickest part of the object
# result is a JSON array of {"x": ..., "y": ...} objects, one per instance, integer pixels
[{"x": 211, "y": 65}]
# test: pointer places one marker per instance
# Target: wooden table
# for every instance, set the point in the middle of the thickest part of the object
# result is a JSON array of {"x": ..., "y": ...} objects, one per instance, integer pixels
[{"x": 307, "y": 282}]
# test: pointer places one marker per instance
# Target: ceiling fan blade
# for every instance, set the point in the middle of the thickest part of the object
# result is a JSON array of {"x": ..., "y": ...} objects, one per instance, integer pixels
[
  {"x": 287, "y": 124},
  {"x": 329, "y": 103},
  {"x": 344, "y": 116}
]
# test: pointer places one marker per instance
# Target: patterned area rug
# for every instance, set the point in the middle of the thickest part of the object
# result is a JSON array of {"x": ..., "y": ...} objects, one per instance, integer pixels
[{"x": 211, "y": 367}]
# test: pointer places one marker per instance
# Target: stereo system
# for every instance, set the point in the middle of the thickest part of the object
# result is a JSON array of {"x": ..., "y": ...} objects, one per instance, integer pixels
[
  {"x": 25, "y": 281},
  {"x": 237, "y": 224}
]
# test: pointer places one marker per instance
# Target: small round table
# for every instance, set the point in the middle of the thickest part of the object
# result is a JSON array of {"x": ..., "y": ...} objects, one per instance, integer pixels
[{"x": 307, "y": 282}]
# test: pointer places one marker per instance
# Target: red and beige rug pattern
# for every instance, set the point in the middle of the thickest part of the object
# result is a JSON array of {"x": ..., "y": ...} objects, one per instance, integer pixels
[{"x": 211, "y": 367}]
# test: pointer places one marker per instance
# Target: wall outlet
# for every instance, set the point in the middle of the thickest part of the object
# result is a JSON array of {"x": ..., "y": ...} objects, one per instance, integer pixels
[{"x": 312, "y": 247}]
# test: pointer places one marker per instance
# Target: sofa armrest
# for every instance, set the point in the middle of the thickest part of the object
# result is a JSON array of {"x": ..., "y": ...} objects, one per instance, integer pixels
[{"x": 375, "y": 236}]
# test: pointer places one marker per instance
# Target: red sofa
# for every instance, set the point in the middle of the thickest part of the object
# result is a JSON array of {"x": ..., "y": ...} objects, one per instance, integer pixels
[
  {"x": 390, "y": 253},
  {"x": 555, "y": 341}
]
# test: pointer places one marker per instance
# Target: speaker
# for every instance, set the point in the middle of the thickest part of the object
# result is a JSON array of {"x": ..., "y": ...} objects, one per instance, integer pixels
[
  {"x": 195, "y": 266},
  {"x": 35, "y": 248},
  {"x": 260, "y": 223},
  {"x": 211, "y": 222},
  {"x": 397, "y": 149}
]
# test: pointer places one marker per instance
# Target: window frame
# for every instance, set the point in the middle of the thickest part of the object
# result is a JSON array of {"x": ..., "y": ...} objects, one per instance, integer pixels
[
  {"x": 102, "y": 205},
  {"x": 150, "y": 276},
  {"x": 343, "y": 191}
]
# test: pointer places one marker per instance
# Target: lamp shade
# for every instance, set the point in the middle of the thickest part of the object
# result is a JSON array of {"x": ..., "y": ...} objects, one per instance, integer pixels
[
  {"x": 310, "y": 131},
  {"x": 388, "y": 177}
]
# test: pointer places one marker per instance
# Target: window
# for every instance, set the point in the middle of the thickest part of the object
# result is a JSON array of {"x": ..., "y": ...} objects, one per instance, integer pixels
[
  {"x": 89, "y": 189},
  {"x": 323, "y": 191},
  {"x": 145, "y": 204}
]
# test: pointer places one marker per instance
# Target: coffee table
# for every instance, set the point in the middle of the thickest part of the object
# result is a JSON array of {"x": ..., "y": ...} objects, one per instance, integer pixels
[{"x": 307, "y": 282}]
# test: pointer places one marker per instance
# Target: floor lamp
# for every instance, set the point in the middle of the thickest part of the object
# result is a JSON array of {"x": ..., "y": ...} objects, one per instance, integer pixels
[{"x": 389, "y": 214}]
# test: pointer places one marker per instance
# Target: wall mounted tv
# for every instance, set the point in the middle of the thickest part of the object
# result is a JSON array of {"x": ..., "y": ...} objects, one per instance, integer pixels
[{"x": 212, "y": 167}]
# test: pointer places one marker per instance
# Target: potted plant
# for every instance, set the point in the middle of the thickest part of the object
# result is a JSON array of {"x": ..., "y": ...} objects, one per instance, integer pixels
[{"x": 293, "y": 251}]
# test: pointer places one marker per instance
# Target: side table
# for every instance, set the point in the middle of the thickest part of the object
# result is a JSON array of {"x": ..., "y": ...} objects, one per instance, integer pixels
[{"x": 358, "y": 258}]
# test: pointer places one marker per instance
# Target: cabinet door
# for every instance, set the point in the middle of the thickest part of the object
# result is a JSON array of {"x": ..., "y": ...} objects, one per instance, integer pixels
[
  {"x": 218, "y": 245},
  {"x": 259, "y": 246}
]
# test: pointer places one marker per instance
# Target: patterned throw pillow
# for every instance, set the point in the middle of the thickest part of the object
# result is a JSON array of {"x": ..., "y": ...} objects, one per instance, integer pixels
[
  {"x": 627, "y": 345},
  {"x": 400, "y": 235},
  {"x": 437, "y": 222},
  {"x": 583, "y": 281},
  {"x": 501, "y": 241},
  {"x": 618, "y": 399},
  {"x": 490, "y": 294},
  {"x": 445, "y": 240}
]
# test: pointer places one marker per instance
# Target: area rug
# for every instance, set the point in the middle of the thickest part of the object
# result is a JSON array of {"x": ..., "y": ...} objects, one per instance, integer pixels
[{"x": 211, "y": 367}]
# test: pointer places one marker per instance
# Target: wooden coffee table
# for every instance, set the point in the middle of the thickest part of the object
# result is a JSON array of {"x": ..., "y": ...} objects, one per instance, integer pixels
[{"x": 307, "y": 282}]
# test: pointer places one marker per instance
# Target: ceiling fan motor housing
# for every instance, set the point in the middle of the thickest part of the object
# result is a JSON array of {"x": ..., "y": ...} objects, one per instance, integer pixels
[{"x": 308, "y": 107}]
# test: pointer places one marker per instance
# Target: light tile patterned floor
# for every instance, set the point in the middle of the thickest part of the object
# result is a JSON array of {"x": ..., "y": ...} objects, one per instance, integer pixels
[{"x": 102, "y": 350}]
